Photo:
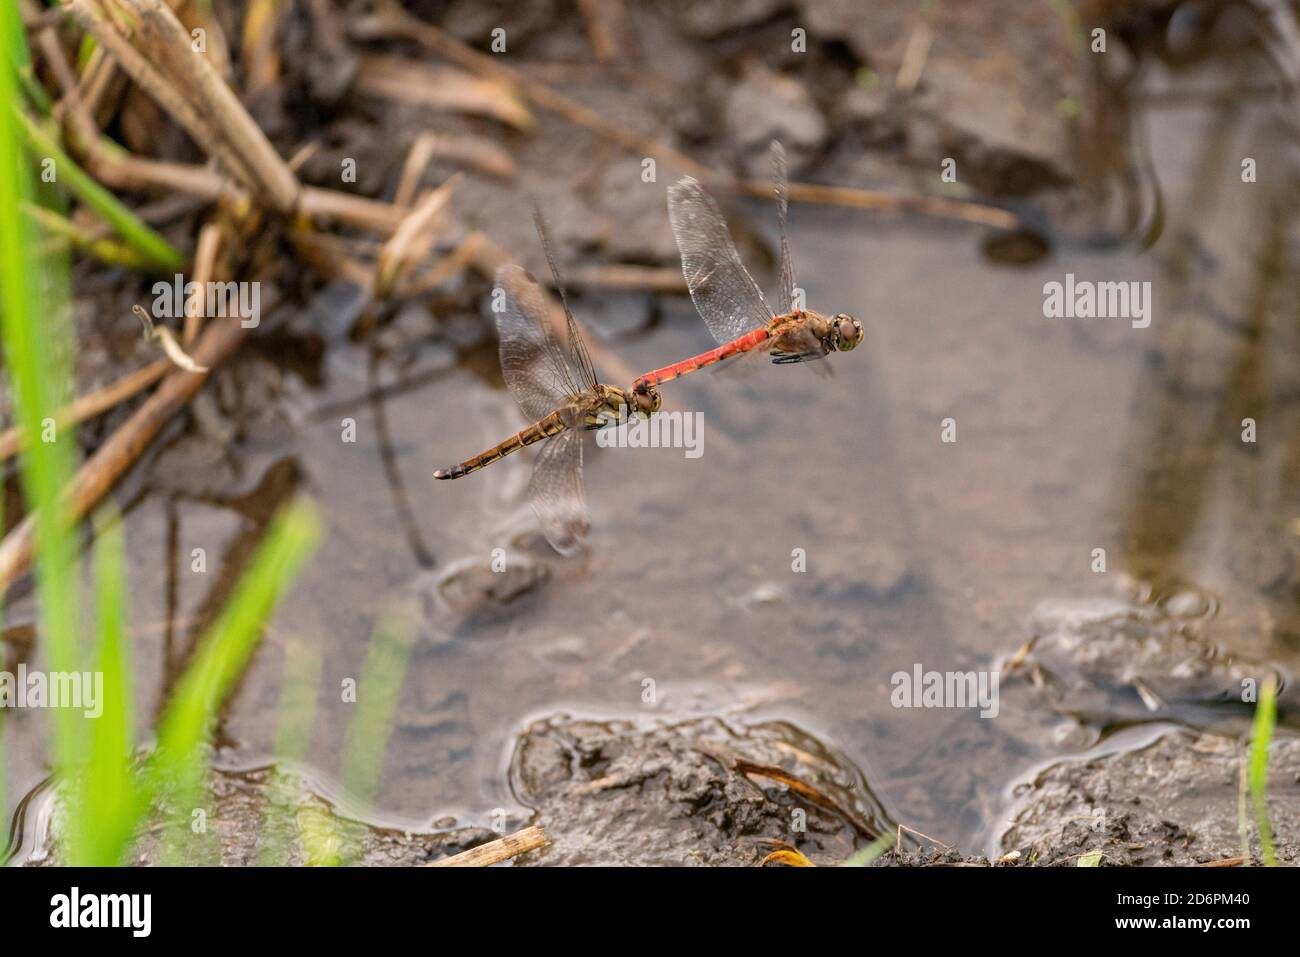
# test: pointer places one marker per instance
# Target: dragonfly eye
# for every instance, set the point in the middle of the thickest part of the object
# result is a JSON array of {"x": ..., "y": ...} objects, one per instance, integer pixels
[{"x": 848, "y": 332}]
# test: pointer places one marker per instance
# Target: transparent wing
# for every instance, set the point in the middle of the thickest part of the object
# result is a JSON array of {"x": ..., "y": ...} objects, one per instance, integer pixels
[
  {"x": 581, "y": 371},
  {"x": 557, "y": 496},
  {"x": 531, "y": 360},
  {"x": 781, "y": 189},
  {"x": 725, "y": 295}
]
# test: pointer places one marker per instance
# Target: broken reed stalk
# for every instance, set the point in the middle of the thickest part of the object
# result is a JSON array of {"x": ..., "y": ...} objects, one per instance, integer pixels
[
  {"x": 111, "y": 460},
  {"x": 195, "y": 95},
  {"x": 219, "y": 105},
  {"x": 162, "y": 90},
  {"x": 494, "y": 852}
]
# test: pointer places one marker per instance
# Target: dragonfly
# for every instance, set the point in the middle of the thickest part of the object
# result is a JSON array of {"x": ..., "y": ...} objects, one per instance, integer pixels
[
  {"x": 728, "y": 299},
  {"x": 555, "y": 385}
]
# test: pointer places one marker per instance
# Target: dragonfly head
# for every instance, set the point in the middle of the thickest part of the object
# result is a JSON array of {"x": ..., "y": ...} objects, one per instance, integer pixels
[
  {"x": 846, "y": 332},
  {"x": 643, "y": 400}
]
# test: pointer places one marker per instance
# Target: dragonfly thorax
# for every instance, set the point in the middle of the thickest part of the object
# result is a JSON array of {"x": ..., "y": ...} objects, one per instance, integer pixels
[{"x": 617, "y": 405}]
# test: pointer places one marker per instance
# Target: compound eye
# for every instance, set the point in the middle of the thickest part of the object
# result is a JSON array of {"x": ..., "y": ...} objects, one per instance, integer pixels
[{"x": 848, "y": 332}]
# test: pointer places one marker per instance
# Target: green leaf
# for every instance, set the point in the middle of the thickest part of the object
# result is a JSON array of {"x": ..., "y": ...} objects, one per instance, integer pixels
[
  {"x": 107, "y": 816},
  {"x": 178, "y": 767},
  {"x": 155, "y": 250},
  {"x": 1261, "y": 736},
  {"x": 868, "y": 854}
]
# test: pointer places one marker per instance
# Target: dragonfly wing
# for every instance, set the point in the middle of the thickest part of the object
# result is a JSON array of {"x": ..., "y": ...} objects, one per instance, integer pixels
[
  {"x": 728, "y": 299},
  {"x": 531, "y": 359},
  {"x": 781, "y": 189},
  {"x": 581, "y": 370},
  {"x": 556, "y": 493}
]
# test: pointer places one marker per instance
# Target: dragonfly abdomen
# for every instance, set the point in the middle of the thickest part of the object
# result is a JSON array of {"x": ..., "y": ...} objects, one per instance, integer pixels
[
  {"x": 725, "y": 351},
  {"x": 553, "y": 424}
]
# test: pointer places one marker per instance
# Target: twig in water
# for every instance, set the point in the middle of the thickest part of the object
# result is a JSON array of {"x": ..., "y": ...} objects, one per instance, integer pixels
[{"x": 494, "y": 852}]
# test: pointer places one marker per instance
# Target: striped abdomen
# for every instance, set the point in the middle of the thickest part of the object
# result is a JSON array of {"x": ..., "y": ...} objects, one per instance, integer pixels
[
  {"x": 553, "y": 424},
  {"x": 748, "y": 341}
]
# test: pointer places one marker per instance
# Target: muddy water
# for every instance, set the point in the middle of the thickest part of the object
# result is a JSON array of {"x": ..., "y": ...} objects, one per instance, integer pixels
[{"x": 1071, "y": 435}]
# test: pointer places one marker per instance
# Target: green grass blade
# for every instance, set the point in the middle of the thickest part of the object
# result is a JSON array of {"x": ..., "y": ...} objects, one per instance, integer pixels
[
  {"x": 366, "y": 744},
  {"x": 35, "y": 331},
  {"x": 63, "y": 231},
  {"x": 106, "y": 819},
  {"x": 178, "y": 767},
  {"x": 16, "y": 50},
  {"x": 365, "y": 747},
  {"x": 871, "y": 852},
  {"x": 300, "y": 687},
  {"x": 1260, "y": 738},
  {"x": 144, "y": 240}
]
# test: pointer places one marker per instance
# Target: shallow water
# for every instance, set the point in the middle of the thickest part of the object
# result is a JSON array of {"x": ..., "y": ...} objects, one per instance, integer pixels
[{"x": 1072, "y": 435}]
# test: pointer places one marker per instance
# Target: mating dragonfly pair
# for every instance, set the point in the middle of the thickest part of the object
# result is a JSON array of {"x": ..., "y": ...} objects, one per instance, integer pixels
[{"x": 556, "y": 386}]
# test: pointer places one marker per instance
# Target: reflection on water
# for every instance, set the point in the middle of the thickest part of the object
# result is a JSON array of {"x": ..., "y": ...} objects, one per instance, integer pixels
[{"x": 1072, "y": 436}]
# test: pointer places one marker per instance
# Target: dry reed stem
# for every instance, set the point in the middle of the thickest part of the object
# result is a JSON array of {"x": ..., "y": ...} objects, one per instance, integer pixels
[
  {"x": 205, "y": 262},
  {"x": 89, "y": 406},
  {"x": 223, "y": 110},
  {"x": 115, "y": 456},
  {"x": 494, "y": 852},
  {"x": 476, "y": 152},
  {"x": 122, "y": 170},
  {"x": 459, "y": 259},
  {"x": 261, "y": 57},
  {"x": 441, "y": 88},
  {"x": 624, "y": 277},
  {"x": 606, "y": 22},
  {"x": 163, "y": 91},
  {"x": 411, "y": 241},
  {"x": 417, "y": 161}
]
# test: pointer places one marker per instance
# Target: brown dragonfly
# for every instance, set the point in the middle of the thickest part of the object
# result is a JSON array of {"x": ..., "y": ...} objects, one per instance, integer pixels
[{"x": 555, "y": 385}]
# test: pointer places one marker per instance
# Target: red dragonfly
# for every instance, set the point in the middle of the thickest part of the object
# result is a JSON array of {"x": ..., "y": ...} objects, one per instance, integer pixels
[
  {"x": 555, "y": 385},
  {"x": 728, "y": 299}
]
